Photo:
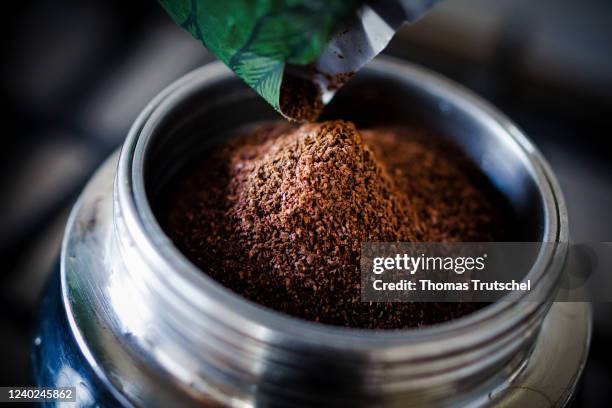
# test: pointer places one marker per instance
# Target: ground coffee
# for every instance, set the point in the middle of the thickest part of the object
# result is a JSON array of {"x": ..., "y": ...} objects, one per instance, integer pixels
[
  {"x": 278, "y": 215},
  {"x": 300, "y": 99}
]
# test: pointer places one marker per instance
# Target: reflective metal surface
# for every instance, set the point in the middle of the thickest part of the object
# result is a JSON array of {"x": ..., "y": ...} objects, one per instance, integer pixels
[{"x": 159, "y": 332}]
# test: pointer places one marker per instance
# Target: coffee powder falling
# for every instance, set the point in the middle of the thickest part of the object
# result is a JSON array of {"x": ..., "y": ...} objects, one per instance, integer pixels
[
  {"x": 279, "y": 215},
  {"x": 300, "y": 99}
]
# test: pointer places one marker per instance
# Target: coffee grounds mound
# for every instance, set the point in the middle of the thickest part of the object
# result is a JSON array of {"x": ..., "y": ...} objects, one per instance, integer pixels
[{"x": 279, "y": 215}]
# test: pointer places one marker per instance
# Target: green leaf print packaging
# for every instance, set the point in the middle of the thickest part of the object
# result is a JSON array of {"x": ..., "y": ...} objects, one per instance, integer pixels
[{"x": 295, "y": 53}]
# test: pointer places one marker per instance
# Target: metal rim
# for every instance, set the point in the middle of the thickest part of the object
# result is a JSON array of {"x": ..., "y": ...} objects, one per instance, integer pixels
[{"x": 264, "y": 323}]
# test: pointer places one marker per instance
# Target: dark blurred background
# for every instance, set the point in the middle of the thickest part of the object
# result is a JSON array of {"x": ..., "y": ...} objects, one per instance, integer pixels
[{"x": 76, "y": 73}]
